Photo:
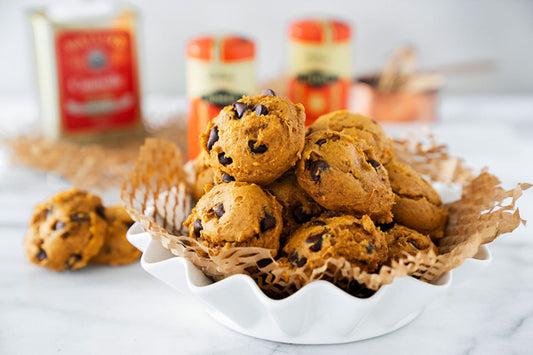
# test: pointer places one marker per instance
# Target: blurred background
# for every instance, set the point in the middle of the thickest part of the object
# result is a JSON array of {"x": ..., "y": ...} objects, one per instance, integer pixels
[{"x": 494, "y": 36}]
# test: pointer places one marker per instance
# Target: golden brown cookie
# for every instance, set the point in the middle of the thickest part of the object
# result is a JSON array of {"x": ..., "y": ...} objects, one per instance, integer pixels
[
  {"x": 236, "y": 214},
  {"x": 116, "y": 249},
  {"x": 357, "y": 126},
  {"x": 417, "y": 205},
  {"x": 403, "y": 240},
  {"x": 66, "y": 231},
  {"x": 203, "y": 175},
  {"x": 342, "y": 174},
  {"x": 298, "y": 206},
  {"x": 255, "y": 140},
  {"x": 359, "y": 241}
]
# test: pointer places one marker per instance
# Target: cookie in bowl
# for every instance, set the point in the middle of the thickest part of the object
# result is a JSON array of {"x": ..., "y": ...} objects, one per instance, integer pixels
[
  {"x": 236, "y": 214},
  {"x": 403, "y": 241},
  {"x": 357, "y": 240},
  {"x": 416, "y": 204},
  {"x": 66, "y": 231},
  {"x": 256, "y": 139},
  {"x": 343, "y": 174},
  {"x": 359, "y": 127}
]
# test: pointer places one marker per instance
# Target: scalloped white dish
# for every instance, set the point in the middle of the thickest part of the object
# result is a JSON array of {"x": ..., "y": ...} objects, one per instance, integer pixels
[{"x": 319, "y": 313}]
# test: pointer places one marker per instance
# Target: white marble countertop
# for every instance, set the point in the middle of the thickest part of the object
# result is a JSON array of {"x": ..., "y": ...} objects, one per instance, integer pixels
[{"x": 124, "y": 310}]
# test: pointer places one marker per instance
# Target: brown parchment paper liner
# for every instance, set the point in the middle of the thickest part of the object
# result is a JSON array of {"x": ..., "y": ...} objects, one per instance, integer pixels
[
  {"x": 156, "y": 195},
  {"x": 91, "y": 165}
]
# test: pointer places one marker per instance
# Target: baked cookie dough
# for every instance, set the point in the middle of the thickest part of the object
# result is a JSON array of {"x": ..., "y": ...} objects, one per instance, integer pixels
[
  {"x": 116, "y": 249},
  {"x": 66, "y": 231},
  {"x": 255, "y": 140},
  {"x": 203, "y": 175},
  {"x": 417, "y": 205},
  {"x": 236, "y": 214},
  {"x": 402, "y": 240},
  {"x": 342, "y": 174},
  {"x": 357, "y": 126},
  {"x": 298, "y": 206},
  {"x": 359, "y": 241}
]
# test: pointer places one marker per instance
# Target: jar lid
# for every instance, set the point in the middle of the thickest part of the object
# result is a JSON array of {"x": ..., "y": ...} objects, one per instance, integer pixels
[
  {"x": 318, "y": 31},
  {"x": 224, "y": 48}
]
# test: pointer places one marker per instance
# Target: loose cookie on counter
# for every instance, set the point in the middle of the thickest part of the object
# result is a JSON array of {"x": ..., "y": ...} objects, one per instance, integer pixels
[
  {"x": 116, "y": 249},
  {"x": 357, "y": 126},
  {"x": 236, "y": 214},
  {"x": 417, "y": 205},
  {"x": 359, "y": 241},
  {"x": 402, "y": 240},
  {"x": 298, "y": 206},
  {"x": 342, "y": 174},
  {"x": 66, "y": 231},
  {"x": 256, "y": 139}
]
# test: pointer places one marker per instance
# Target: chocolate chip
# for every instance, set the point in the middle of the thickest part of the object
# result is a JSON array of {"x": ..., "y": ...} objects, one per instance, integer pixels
[
  {"x": 79, "y": 217},
  {"x": 413, "y": 243},
  {"x": 299, "y": 215},
  {"x": 315, "y": 167},
  {"x": 240, "y": 108},
  {"x": 301, "y": 262},
  {"x": 259, "y": 149},
  {"x": 72, "y": 260},
  {"x": 59, "y": 225},
  {"x": 100, "y": 210},
  {"x": 219, "y": 210},
  {"x": 264, "y": 262},
  {"x": 320, "y": 142},
  {"x": 227, "y": 178},
  {"x": 318, "y": 223},
  {"x": 67, "y": 234},
  {"x": 223, "y": 159},
  {"x": 268, "y": 92},
  {"x": 213, "y": 138},
  {"x": 316, "y": 242},
  {"x": 197, "y": 227},
  {"x": 261, "y": 110},
  {"x": 385, "y": 226},
  {"x": 268, "y": 222},
  {"x": 373, "y": 162},
  {"x": 370, "y": 248},
  {"x": 41, "y": 255},
  {"x": 373, "y": 121},
  {"x": 293, "y": 258}
]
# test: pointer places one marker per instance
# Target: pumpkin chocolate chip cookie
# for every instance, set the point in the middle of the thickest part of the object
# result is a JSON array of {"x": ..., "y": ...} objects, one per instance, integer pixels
[
  {"x": 66, "y": 231},
  {"x": 417, "y": 205},
  {"x": 357, "y": 126},
  {"x": 342, "y": 174},
  {"x": 402, "y": 241},
  {"x": 116, "y": 249},
  {"x": 298, "y": 206},
  {"x": 256, "y": 139},
  {"x": 358, "y": 241},
  {"x": 236, "y": 214}
]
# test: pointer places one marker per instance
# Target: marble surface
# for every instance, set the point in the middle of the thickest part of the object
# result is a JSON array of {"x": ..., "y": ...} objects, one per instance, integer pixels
[{"x": 124, "y": 310}]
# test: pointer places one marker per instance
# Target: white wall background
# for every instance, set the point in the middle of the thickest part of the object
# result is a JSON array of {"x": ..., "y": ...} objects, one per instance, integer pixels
[{"x": 444, "y": 31}]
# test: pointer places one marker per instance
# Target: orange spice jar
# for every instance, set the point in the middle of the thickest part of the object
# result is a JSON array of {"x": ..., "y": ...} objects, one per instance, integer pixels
[
  {"x": 319, "y": 66},
  {"x": 220, "y": 70},
  {"x": 87, "y": 70}
]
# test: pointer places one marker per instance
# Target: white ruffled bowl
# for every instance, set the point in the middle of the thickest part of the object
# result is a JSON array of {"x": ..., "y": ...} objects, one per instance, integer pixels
[{"x": 319, "y": 313}]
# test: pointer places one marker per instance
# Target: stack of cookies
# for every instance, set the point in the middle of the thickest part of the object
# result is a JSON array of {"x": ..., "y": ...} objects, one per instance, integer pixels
[
  {"x": 73, "y": 229},
  {"x": 332, "y": 191}
]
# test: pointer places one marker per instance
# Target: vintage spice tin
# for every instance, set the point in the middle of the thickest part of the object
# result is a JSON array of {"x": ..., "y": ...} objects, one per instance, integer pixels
[
  {"x": 220, "y": 70},
  {"x": 87, "y": 70},
  {"x": 320, "y": 63}
]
